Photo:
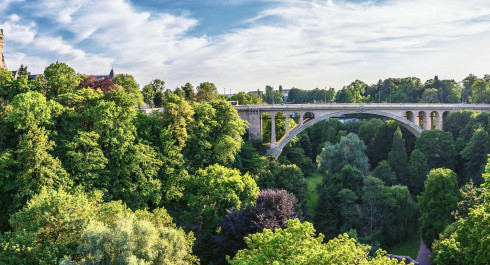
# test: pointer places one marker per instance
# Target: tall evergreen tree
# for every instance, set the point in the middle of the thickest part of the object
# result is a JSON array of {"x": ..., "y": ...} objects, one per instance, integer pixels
[
  {"x": 397, "y": 157},
  {"x": 436, "y": 203}
]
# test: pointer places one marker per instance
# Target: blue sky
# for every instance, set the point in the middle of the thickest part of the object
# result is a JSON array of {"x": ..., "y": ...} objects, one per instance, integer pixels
[{"x": 247, "y": 44}]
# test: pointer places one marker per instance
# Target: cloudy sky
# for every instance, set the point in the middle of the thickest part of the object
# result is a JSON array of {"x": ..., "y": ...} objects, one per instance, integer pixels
[{"x": 247, "y": 44}]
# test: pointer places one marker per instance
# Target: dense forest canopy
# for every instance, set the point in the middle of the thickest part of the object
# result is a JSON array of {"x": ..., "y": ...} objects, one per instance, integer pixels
[{"x": 87, "y": 178}]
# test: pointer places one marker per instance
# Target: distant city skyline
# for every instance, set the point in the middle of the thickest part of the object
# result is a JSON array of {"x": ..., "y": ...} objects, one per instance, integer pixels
[{"x": 245, "y": 45}]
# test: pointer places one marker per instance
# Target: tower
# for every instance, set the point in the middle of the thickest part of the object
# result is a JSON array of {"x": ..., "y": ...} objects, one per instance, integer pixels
[{"x": 2, "y": 62}]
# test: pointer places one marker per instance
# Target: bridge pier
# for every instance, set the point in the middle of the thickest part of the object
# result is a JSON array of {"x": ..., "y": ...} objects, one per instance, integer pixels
[
  {"x": 273, "y": 130},
  {"x": 287, "y": 124}
]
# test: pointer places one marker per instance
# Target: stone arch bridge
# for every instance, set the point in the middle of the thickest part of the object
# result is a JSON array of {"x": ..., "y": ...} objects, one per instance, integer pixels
[{"x": 415, "y": 117}]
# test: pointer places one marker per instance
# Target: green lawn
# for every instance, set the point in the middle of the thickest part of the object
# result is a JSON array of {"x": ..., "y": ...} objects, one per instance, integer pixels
[
  {"x": 407, "y": 248},
  {"x": 313, "y": 181}
]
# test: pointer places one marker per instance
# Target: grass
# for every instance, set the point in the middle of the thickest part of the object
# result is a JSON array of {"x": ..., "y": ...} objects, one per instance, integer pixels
[
  {"x": 313, "y": 181},
  {"x": 407, "y": 248}
]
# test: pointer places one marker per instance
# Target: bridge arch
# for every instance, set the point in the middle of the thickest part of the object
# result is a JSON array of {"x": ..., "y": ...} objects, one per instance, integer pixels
[{"x": 411, "y": 126}]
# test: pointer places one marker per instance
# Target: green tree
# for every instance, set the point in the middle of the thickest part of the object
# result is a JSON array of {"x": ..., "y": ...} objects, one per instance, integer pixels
[
  {"x": 61, "y": 79},
  {"x": 466, "y": 241},
  {"x": 438, "y": 147},
  {"x": 150, "y": 92},
  {"x": 215, "y": 135},
  {"x": 384, "y": 172},
  {"x": 214, "y": 190},
  {"x": 397, "y": 157},
  {"x": 383, "y": 140},
  {"x": 355, "y": 92},
  {"x": 297, "y": 244},
  {"x": 350, "y": 150},
  {"x": 349, "y": 210},
  {"x": 418, "y": 170},
  {"x": 134, "y": 241},
  {"x": 74, "y": 228},
  {"x": 85, "y": 161},
  {"x": 130, "y": 86},
  {"x": 206, "y": 92},
  {"x": 480, "y": 92},
  {"x": 436, "y": 203},
  {"x": 430, "y": 96},
  {"x": 285, "y": 177},
  {"x": 475, "y": 155},
  {"x": 189, "y": 92}
]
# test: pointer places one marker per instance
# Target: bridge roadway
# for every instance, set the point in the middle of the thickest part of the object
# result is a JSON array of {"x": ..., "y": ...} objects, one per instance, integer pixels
[{"x": 415, "y": 117}]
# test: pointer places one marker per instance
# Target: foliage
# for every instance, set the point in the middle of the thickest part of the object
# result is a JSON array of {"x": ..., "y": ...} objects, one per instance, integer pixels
[
  {"x": 129, "y": 86},
  {"x": 350, "y": 150},
  {"x": 55, "y": 224},
  {"x": 61, "y": 79},
  {"x": 383, "y": 171},
  {"x": 418, "y": 170},
  {"x": 214, "y": 190},
  {"x": 272, "y": 210},
  {"x": 206, "y": 92},
  {"x": 151, "y": 91},
  {"x": 437, "y": 202},
  {"x": 297, "y": 244},
  {"x": 215, "y": 135},
  {"x": 438, "y": 147},
  {"x": 397, "y": 157},
  {"x": 466, "y": 241},
  {"x": 285, "y": 177}
]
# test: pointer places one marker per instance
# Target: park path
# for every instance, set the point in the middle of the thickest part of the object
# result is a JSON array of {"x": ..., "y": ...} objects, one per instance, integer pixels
[{"x": 423, "y": 254}]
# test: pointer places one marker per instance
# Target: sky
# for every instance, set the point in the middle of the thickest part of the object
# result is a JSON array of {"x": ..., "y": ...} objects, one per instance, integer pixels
[{"x": 244, "y": 45}]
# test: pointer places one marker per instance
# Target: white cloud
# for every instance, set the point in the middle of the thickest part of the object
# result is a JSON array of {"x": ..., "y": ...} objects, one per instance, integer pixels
[{"x": 296, "y": 43}]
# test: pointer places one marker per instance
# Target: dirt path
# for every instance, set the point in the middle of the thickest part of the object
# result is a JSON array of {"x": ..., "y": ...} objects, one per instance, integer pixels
[{"x": 423, "y": 254}]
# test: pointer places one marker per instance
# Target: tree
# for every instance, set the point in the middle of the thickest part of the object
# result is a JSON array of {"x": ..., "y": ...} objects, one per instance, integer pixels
[
  {"x": 85, "y": 161},
  {"x": 382, "y": 142},
  {"x": 285, "y": 177},
  {"x": 31, "y": 109},
  {"x": 73, "y": 228},
  {"x": 134, "y": 241},
  {"x": 466, "y": 241},
  {"x": 480, "y": 92},
  {"x": 130, "y": 86},
  {"x": 61, "y": 79},
  {"x": 355, "y": 92},
  {"x": 272, "y": 210},
  {"x": 430, "y": 96},
  {"x": 206, "y": 92},
  {"x": 417, "y": 170},
  {"x": 297, "y": 244},
  {"x": 151, "y": 90},
  {"x": 384, "y": 172},
  {"x": 189, "y": 92},
  {"x": 349, "y": 210},
  {"x": 104, "y": 84},
  {"x": 350, "y": 150},
  {"x": 475, "y": 155},
  {"x": 372, "y": 207},
  {"x": 215, "y": 135},
  {"x": 436, "y": 203},
  {"x": 438, "y": 147},
  {"x": 397, "y": 157},
  {"x": 214, "y": 190}
]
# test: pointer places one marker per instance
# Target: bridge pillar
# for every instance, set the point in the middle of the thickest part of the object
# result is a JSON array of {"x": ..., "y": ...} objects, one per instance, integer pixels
[
  {"x": 273, "y": 130},
  {"x": 287, "y": 124},
  {"x": 426, "y": 121},
  {"x": 439, "y": 121},
  {"x": 300, "y": 119},
  {"x": 255, "y": 127}
]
